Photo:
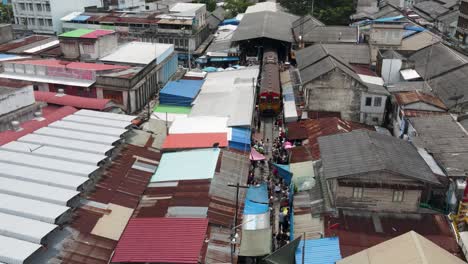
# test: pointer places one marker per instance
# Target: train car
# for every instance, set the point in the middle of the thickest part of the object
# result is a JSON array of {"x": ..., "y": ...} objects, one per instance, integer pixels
[{"x": 270, "y": 87}]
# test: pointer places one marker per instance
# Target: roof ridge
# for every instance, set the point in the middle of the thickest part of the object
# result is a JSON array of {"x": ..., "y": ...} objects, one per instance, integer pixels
[{"x": 418, "y": 246}]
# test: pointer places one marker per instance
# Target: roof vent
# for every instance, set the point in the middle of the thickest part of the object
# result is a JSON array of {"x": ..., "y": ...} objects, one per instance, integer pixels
[
  {"x": 15, "y": 125},
  {"x": 60, "y": 92},
  {"x": 38, "y": 116}
]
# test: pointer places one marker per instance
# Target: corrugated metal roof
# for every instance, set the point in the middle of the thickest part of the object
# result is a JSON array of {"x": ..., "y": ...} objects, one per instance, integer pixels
[
  {"x": 24, "y": 228},
  {"x": 140, "y": 53},
  {"x": 31, "y": 208},
  {"x": 105, "y": 115},
  {"x": 72, "y": 65},
  {"x": 47, "y": 79},
  {"x": 42, "y": 176},
  {"x": 363, "y": 151},
  {"x": 97, "y": 121},
  {"x": 33, "y": 125},
  {"x": 319, "y": 251},
  {"x": 71, "y": 100},
  {"x": 198, "y": 164},
  {"x": 407, "y": 248},
  {"x": 72, "y": 144},
  {"x": 180, "y": 93},
  {"x": 32, "y": 160},
  {"x": 296, "y": 130},
  {"x": 37, "y": 191},
  {"x": 416, "y": 96},
  {"x": 77, "y": 135},
  {"x": 198, "y": 140},
  {"x": 97, "y": 129},
  {"x": 15, "y": 251},
  {"x": 162, "y": 240},
  {"x": 205, "y": 124}
]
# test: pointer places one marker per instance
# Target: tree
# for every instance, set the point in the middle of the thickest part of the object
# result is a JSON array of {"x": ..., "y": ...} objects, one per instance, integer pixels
[
  {"x": 330, "y": 12},
  {"x": 235, "y": 7},
  {"x": 210, "y": 4},
  {"x": 6, "y": 13}
]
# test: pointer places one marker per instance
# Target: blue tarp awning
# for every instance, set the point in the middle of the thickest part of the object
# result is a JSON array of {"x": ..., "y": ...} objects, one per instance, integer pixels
[
  {"x": 180, "y": 93},
  {"x": 415, "y": 28},
  {"x": 217, "y": 59},
  {"x": 319, "y": 251},
  {"x": 258, "y": 194},
  {"x": 388, "y": 19},
  {"x": 284, "y": 172},
  {"x": 80, "y": 18},
  {"x": 231, "y": 21},
  {"x": 252, "y": 208},
  {"x": 240, "y": 139}
]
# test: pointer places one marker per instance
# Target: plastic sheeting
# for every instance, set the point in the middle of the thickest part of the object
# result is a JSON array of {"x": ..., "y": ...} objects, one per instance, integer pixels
[
  {"x": 255, "y": 155},
  {"x": 253, "y": 208},
  {"x": 284, "y": 172},
  {"x": 319, "y": 251},
  {"x": 258, "y": 194}
]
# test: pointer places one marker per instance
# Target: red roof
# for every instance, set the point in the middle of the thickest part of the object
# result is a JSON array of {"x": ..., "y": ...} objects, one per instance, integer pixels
[
  {"x": 199, "y": 140},
  {"x": 72, "y": 100},
  {"x": 73, "y": 65},
  {"x": 325, "y": 127},
  {"x": 97, "y": 33},
  {"x": 406, "y": 98},
  {"x": 162, "y": 240},
  {"x": 14, "y": 44},
  {"x": 33, "y": 125}
]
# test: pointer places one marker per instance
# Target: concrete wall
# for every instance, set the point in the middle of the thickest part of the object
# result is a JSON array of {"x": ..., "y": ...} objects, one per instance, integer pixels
[
  {"x": 70, "y": 49},
  {"x": 6, "y": 33},
  {"x": 372, "y": 115},
  {"x": 335, "y": 92},
  {"x": 61, "y": 8},
  {"x": 13, "y": 99},
  {"x": 378, "y": 188},
  {"x": 107, "y": 44},
  {"x": 391, "y": 70}
]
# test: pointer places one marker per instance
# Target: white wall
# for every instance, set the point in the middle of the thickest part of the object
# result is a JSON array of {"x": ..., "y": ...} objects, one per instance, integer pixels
[
  {"x": 61, "y": 8},
  {"x": 368, "y": 113},
  {"x": 18, "y": 98},
  {"x": 391, "y": 70}
]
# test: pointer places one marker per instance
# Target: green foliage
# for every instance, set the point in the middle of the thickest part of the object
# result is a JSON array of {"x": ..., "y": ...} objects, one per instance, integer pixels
[
  {"x": 330, "y": 12},
  {"x": 235, "y": 7},
  {"x": 210, "y": 4},
  {"x": 6, "y": 14}
]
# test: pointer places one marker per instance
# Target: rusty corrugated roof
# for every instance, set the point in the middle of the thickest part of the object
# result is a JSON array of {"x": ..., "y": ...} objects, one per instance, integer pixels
[
  {"x": 162, "y": 240},
  {"x": 406, "y": 98}
]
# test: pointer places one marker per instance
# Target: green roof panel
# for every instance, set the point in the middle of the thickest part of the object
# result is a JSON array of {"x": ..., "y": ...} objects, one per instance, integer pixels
[
  {"x": 76, "y": 33},
  {"x": 172, "y": 109}
]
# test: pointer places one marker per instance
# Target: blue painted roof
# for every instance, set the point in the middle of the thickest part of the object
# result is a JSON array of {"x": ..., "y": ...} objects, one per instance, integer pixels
[
  {"x": 231, "y": 21},
  {"x": 187, "y": 165},
  {"x": 7, "y": 56},
  {"x": 240, "y": 135},
  {"x": 284, "y": 172},
  {"x": 258, "y": 194},
  {"x": 251, "y": 208},
  {"x": 181, "y": 92},
  {"x": 319, "y": 251},
  {"x": 80, "y": 18}
]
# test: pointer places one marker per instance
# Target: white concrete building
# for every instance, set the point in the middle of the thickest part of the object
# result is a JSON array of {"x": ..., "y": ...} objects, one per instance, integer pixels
[{"x": 43, "y": 16}]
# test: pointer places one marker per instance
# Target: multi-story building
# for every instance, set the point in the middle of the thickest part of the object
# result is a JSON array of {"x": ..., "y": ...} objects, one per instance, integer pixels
[
  {"x": 43, "y": 16},
  {"x": 462, "y": 26},
  {"x": 124, "y": 4},
  {"x": 184, "y": 25}
]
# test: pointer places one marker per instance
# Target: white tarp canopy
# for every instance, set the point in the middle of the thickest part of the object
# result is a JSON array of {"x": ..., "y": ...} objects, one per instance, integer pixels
[
  {"x": 233, "y": 99},
  {"x": 32, "y": 160},
  {"x": 290, "y": 112},
  {"x": 37, "y": 191},
  {"x": 41, "y": 176},
  {"x": 24, "y": 228},
  {"x": 31, "y": 208},
  {"x": 15, "y": 251},
  {"x": 201, "y": 124},
  {"x": 97, "y": 129}
]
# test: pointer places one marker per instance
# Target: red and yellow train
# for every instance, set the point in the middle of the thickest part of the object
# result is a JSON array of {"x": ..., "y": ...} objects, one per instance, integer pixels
[{"x": 269, "y": 97}]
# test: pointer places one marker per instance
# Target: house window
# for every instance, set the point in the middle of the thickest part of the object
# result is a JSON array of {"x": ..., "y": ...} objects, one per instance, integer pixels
[
  {"x": 49, "y": 22},
  {"x": 39, "y": 7},
  {"x": 378, "y": 101},
  {"x": 358, "y": 192},
  {"x": 368, "y": 101},
  {"x": 398, "y": 196}
]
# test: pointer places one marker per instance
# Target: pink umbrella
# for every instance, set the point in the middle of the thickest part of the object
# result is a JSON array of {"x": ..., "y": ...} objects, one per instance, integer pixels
[
  {"x": 255, "y": 155},
  {"x": 287, "y": 143},
  {"x": 288, "y": 147}
]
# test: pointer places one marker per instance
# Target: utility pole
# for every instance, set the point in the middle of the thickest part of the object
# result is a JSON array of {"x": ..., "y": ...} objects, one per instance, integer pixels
[
  {"x": 237, "y": 186},
  {"x": 312, "y": 9}
]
